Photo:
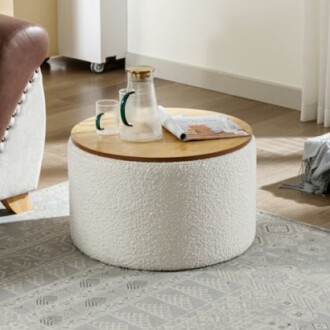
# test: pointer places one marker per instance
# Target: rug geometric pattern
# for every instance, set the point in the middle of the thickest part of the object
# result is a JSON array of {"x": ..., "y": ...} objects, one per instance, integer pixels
[{"x": 281, "y": 282}]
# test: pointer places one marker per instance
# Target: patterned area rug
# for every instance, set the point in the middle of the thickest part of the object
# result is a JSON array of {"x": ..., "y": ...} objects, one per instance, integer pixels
[{"x": 281, "y": 282}]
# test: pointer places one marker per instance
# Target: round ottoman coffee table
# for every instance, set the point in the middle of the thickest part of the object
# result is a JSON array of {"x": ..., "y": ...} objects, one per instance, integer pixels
[{"x": 163, "y": 205}]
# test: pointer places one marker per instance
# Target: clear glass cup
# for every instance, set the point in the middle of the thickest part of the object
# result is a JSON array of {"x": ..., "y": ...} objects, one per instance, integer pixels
[
  {"x": 122, "y": 93},
  {"x": 107, "y": 117}
]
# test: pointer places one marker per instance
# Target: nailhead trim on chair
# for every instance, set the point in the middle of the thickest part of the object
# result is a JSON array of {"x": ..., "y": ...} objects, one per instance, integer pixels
[{"x": 17, "y": 111}]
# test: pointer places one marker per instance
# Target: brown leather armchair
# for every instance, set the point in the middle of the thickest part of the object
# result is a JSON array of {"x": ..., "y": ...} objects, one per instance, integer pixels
[{"x": 23, "y": 47}]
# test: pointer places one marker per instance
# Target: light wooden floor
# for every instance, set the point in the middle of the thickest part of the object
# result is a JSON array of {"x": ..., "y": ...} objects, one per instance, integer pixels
[{"x": 71, "y": 91}]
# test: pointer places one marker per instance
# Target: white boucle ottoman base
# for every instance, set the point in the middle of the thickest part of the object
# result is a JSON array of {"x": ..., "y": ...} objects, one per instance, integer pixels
[{"x": 163, "y": 215}]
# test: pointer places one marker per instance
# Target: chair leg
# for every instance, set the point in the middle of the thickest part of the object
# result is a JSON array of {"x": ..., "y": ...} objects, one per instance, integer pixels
[{"x": 18, "y": 204}]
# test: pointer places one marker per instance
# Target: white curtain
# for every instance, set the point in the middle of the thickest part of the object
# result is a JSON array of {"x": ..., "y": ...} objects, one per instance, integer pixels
[{"x": 316, "y": 62}]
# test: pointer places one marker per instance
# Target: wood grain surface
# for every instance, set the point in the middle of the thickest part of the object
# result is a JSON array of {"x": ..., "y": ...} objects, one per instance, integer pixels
[
  {"x": 18, "y": 204},
  {"x": 167, "y": 149}
]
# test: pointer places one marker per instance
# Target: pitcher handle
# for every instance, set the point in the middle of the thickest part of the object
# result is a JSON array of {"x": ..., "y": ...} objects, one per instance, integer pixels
[{"x": 123, "y": 108}]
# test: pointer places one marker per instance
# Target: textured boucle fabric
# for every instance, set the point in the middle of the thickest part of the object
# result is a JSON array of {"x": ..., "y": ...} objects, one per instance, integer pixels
[
  {"x": 163, "y": 216},
  {"x": 20, "y": 160}
]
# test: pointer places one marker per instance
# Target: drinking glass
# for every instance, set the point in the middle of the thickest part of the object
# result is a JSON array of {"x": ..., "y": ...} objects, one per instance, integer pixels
[
  {"x": 107, "y": 117},
  {"x": 122, "y": 92}
]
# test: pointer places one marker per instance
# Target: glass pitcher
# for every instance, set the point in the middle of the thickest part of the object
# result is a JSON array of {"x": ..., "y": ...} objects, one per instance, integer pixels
[{"x": 140, "y": 119}]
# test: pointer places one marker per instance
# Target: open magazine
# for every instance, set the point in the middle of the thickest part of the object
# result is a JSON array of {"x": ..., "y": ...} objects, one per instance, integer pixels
[{"x": 190, "y": 128}]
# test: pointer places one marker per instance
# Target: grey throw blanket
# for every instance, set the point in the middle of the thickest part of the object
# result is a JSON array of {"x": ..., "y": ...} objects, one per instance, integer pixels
[{"x": 315, "y": 166}]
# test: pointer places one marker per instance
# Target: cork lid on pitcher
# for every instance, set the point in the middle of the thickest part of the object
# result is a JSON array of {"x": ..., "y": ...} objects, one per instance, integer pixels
[{"x": 140, "y": 71}]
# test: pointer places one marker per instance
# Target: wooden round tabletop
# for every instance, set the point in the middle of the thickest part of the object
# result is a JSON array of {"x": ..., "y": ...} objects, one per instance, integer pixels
[{"x": 167, "y": 149}]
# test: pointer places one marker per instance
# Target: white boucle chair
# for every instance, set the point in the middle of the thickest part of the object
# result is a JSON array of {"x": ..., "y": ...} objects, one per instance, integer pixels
[{"x": 23, "y": 47}]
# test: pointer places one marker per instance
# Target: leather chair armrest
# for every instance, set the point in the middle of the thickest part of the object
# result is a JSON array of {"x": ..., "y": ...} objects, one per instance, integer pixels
[{"x": 23, "y": 48}]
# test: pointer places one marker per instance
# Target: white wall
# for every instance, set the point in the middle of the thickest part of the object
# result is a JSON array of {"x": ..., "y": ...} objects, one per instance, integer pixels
[{"x": 258, "y": 39}]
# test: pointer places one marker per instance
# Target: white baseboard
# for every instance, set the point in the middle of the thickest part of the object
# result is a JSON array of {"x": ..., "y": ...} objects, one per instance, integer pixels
[{"x": 250, "y": 88}]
